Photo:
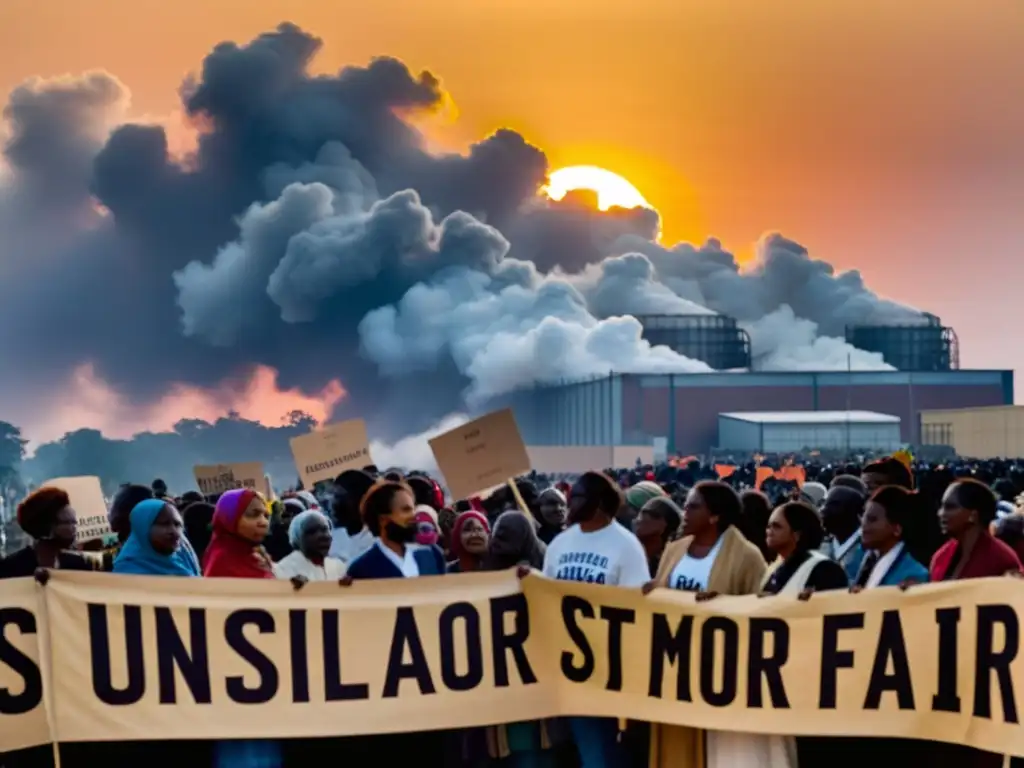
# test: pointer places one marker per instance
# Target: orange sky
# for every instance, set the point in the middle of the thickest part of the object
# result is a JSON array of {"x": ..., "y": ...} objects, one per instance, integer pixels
[{"x": 883, "y": 135}]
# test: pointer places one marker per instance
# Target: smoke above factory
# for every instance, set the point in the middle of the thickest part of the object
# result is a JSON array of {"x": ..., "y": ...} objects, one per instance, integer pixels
[{"x": 312, "y": 232}]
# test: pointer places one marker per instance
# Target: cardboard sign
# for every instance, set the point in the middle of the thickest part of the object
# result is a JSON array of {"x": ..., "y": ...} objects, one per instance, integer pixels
[
  {"x": 87, "y": 500},
  {"x": 325, "y": 453},
  {"x": 481, "y": 454},
  {"x": 218, "y": 478}
]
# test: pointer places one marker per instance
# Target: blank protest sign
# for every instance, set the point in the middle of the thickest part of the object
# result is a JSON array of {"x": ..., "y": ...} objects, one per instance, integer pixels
[{"x": 481, "y": 454}]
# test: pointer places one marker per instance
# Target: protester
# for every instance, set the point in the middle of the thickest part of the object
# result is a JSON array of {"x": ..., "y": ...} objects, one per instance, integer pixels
[
  {"x": 198, "y": 518},
  {"x": 127, "y": 496},
  {"x": 595, "y": 550},
  {"x": 887, "y": 471},
  {"x": 968, "y": 509},
  {"x": 390, "y": 517},
  {"x": 282, "y": 512},
  {"x": 241, "y": 522},
  {"x": 533, "y": 744},
  {"x": 712, "y": 558},
  {"x": 309, "y": 534},
  {"x": 514, "y": 542},
  {"x": 428, "y": 530},
  {"x": 470, "y": 538},
  {"x": 841, "y": 517},
  {"x": 655, "y": 526},
  {"x": 552, "y": 511},
  {"x": 47, "y": 517},
  {"x": 1010, "y": 531},
  {"x": 350, "y": 537},
  {"x": 634, "y": 499},
  {"x": 154, "y": 546},
  {"x": 888, "y": 562},
  {"x": 795, "y": 534},
  {"x": 754, "y": 523}
]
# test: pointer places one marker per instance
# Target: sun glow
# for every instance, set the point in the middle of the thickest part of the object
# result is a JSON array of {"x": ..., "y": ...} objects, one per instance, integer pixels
[{"x": 612, "y": 190}]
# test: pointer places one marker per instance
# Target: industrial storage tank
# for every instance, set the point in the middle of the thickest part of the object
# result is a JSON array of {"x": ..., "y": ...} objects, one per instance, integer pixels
[
  {"x": 926, "y": 346},
  {"x": 714, "y": 339}
]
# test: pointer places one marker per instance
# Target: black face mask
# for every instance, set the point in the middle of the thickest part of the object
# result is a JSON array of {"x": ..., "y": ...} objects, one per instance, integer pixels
[{"x": 400, "y": 534}]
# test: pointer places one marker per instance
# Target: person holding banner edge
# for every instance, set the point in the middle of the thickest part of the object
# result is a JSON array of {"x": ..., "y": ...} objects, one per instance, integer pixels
[
  {"x": 596, "y": 549},
  {"x": 712, "y": 558}
]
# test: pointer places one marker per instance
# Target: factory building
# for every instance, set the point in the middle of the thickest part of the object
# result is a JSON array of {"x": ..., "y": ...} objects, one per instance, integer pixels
[
  {"x": 798, "y": 431},
  {"x": 683, "y": 409},
  {"x": 976, "y": 432}
]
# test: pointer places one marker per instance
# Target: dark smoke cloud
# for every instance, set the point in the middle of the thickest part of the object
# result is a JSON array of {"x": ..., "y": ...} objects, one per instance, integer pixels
[{"x": 312, "y": 231}]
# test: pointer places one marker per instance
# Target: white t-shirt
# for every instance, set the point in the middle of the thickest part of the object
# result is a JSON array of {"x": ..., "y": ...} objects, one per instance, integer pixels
[
  {"x": 692, "y": 574},
  {"x": 347, "y": 548},
  {"x": 612, "y": 555}
]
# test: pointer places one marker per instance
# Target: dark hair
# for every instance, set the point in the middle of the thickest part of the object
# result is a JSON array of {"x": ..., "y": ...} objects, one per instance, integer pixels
[
  {"x": 377, "y": 503},
  {"x": 190, "y": 497},
  {"x": 198, "y": 517},
  {"x": 663, "y": 508},
  {"x": 422, "y": 491},
  {"x": 893, "y": 470},
  {"x": 1010, "y": 529},
  {"x": 898, "y": 504},
  {"x": 606, "y": 491},
  {"x": 121, "y": 507},
  {"x": 37, "y": 513},
  {"x": 159, "y": 486},
  {"x": 849, "y": 481},
  {"x": 803, "y": 519},
  {"x": 756, "y": 511},
  {"x": 721, "y": 500},
  {"x": 462, "y": 505},
  {"x": 972, "y": 494}
]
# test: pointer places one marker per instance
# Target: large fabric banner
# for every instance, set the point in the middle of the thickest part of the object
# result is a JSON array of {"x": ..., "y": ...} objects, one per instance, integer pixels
[
  {"x": 248, "y": 659},
  {"x": 23, "y": 720}
]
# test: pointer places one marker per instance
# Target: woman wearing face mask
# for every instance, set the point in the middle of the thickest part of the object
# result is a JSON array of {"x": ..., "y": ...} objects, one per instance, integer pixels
[
  {"x": 469, "y": 539},
  {"x": 428, "y": 531},
  {"x": 309, "y": 534},
  {"x": 552, "y": 509}
]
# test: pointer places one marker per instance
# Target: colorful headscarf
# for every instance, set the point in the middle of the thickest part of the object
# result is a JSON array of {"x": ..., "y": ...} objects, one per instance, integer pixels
[
  {"x": 427, "y": 527},
  {"x": 460, "y": 522},
  {"x": 138, "y": 557},
  {"x": 229, "y": 555}
]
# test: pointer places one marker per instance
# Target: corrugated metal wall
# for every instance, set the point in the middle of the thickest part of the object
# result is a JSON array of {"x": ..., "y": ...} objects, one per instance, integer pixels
[{"x": 630, "y": 409}]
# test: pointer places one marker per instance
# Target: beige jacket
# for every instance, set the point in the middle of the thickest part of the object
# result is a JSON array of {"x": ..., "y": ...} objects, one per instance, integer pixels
[{"x": 738, "y": 569}]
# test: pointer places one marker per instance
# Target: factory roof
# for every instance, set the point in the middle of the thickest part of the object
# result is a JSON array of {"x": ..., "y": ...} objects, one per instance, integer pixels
[{"x": 813, "y": 417}]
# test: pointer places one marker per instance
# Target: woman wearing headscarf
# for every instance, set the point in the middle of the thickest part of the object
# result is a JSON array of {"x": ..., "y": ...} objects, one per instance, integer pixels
[
  {"x": 241, "y": 522},
  {"x": 154, "y": 545},
  {"x": 309, "y": 534},
  {"x": 428, "y": 529},
  {"x": 470, "y": 538},
  {"x": 514, "y": 542},
  {"x": 536, "y": 743},
  {"x": 635, "y": 498},
  {"x": 713, "y": 557}
]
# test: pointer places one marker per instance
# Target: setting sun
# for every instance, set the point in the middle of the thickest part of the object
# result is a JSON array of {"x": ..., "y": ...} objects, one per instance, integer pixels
[{"x": 612, "y": 189}]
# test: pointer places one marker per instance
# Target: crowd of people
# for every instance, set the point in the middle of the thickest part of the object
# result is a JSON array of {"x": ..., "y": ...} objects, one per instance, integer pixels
[{"x": 843, "y": 528}]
